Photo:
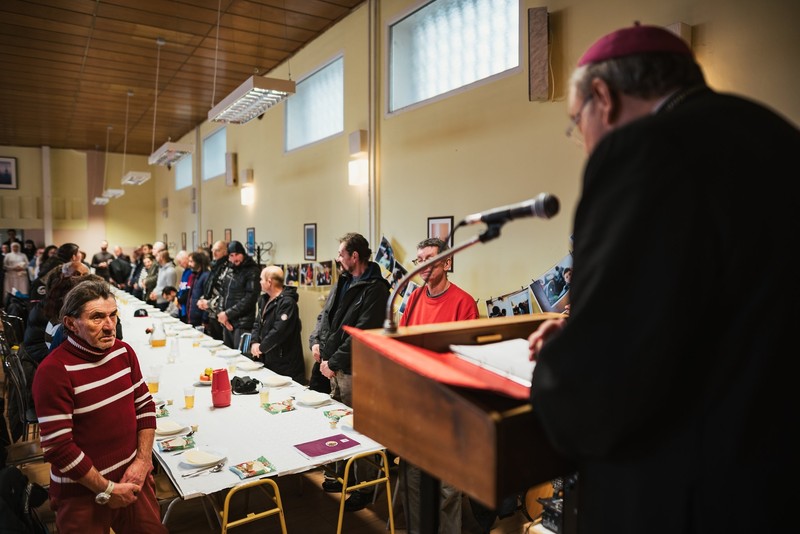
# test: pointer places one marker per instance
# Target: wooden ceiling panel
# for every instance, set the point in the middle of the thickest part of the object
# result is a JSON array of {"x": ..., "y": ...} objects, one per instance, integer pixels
[{"x": 70, "y": 63}]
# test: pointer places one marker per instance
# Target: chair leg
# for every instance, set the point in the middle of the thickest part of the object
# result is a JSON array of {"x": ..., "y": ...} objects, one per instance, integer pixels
[{"x": 381, "y": 478}]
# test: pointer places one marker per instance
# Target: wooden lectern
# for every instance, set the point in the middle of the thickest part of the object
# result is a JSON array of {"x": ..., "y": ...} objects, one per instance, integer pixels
[{"x": 483, "y": 442}]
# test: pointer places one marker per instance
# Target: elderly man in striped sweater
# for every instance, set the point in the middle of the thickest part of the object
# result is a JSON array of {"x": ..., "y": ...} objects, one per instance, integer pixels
[{"x": 97, "y": 422}]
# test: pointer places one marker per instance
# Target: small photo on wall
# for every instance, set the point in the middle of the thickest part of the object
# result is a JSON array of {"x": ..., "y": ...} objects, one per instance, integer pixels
[
  {"x": 323, "y": 271},
  {"x": 499, "y": 307},
  {"x": 551, "y": 290},
  {"x": 307, "y": 274},
  {"x": 407, "y": 293},
  {"x": 292, "y": 273}
]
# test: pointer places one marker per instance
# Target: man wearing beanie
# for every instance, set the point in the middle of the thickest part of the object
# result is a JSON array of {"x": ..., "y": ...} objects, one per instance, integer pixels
[
  {"x": 239, "y": 295},
  {"x": 677, "y": 421}
]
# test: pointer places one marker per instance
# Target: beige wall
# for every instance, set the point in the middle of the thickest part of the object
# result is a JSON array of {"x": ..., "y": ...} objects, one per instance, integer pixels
[{"x": 477, "y": 149}]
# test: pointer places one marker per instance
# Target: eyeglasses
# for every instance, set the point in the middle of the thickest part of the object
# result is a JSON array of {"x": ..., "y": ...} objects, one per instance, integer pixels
[
  {"x": 423, "y": 260},
  {"x": 573, "y": 132}
]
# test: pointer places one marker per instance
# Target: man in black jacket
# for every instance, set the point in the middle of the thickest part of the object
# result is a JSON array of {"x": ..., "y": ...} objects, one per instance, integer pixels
[
  {"x": 212, "y": 292},
  {"x": 240, "y": 291},
  {"x": 276, "y": 332},
  {"x": 357, "y": 299}
]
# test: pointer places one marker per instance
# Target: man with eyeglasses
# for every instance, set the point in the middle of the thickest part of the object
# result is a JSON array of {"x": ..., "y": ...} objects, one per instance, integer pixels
[
  {"x": 672, "y": 419},
  {"x": 438, "y": 301}
]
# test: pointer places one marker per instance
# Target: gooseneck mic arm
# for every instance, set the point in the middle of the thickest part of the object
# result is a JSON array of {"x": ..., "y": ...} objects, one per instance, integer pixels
[{"x": 544, "y": 206}]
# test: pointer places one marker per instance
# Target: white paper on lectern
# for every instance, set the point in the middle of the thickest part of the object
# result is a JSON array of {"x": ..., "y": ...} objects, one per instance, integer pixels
[{"x": 506, "y": 358}]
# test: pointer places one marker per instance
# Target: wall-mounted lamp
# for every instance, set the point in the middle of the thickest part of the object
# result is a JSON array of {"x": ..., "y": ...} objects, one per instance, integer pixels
[
  {"x": 248, "y": 190},
  {"x": 358, "y": 166}
]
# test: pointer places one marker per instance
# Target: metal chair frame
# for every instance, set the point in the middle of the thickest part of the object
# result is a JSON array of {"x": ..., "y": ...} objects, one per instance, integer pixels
[
  {"x": 382, "y": 478},
  {"x": 275, "y": 497}
]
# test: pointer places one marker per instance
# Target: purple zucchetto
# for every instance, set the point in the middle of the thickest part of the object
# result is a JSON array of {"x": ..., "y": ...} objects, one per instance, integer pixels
[{"x": 634, "y": 40}]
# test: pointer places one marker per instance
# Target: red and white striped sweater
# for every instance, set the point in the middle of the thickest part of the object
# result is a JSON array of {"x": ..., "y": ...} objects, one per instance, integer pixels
[{"x": 91, "y": 405}]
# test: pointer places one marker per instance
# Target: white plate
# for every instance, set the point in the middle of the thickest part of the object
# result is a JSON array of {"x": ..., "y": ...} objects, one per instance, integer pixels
[
  {"x": 200, "y": 458},
  {"x": 228, "y": 353},
  {"x": 171, "y": 320},
  {"x": 202, "y": 383},
  {"x": 211, "y": 343},
  {"x": 313, "y": 398},
  {"x": 275, "y": 381},
  {"x": 249, "y": 366},
  {"x": 190, "y": 333},
  {"x": 181, "y": 326},
  {"x": 168, "y": 427},
  {"x": 347, "y": 422},
  {"x": 158, "y": 314}
]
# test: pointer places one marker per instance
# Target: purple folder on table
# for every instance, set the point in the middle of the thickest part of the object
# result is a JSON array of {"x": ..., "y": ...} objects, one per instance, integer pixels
[{"x": 327, "y": 445}]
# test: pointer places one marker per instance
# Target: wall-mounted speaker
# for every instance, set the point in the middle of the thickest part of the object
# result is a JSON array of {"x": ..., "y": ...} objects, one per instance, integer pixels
[
  {"x": 231, "y": 170},
  {"x": 538, "y": 54}
]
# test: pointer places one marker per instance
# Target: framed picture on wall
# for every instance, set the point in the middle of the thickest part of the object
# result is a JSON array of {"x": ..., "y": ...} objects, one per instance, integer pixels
[
  {"x": 8, "y": 173},
  {"x": 194, "y": 240},
  {"x": 310, "y": 241},
  {"x": 441, "y": 227},
  {"x": 228, "y": 237},
  {"x": 251, "y": 241},
  {"x": 210, "y": 238},
  {"x": 183, "y": 240}
]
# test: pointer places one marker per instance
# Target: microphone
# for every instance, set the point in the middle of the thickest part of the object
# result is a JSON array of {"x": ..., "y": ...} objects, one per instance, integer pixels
[{"x": 543, "y": 206}]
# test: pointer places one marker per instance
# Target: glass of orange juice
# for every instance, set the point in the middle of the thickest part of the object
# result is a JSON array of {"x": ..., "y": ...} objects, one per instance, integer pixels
[
  {"x": 152, "y": 383},
  {"x": 188, "y": 397}
]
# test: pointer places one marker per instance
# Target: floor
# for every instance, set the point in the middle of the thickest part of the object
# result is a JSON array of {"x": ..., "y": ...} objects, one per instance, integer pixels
[{"x": 309, "y": 510}]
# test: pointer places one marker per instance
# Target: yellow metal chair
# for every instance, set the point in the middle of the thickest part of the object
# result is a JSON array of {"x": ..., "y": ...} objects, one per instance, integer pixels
[
  {"x": 275, "y": 497},
  {"x": 382, "y": 478}
]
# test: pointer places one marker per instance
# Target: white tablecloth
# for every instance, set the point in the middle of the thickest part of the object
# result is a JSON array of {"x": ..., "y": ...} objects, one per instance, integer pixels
[{"x": 242, "y": 431}]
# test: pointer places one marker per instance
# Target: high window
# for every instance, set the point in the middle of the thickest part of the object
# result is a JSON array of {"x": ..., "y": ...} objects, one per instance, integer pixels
[
  {"x": 316, "y": 110},
  {"x": 449, "y": 44},
  {"x": 214, "y": 147}
]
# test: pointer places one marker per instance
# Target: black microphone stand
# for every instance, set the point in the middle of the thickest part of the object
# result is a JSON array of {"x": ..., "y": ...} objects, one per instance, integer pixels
[
  {"x": 430, "y": 486},
  {"x": 492, "y": 231}
]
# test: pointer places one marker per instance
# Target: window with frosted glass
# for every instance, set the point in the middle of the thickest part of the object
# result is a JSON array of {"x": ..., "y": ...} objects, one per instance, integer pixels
[
  {"x": 183, "y": 172},
  {"x": 448, "y": 44},
  {"x": 214, "y": 147},
  {"x": 316, "y": 110}
]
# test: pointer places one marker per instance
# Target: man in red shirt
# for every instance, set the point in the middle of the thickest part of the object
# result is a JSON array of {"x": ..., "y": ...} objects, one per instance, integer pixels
[{"x": 438, "y": 301}]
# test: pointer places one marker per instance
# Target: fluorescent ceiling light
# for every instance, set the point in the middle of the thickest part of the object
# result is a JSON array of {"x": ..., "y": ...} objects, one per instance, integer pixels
[
  {"x": 135, "y": 178},
  {"x": 100, "y": 201},
  {"x": 169, "y": 153},
  {"x": 113, "y": 193},
  {"x": 251, "y": 99}
]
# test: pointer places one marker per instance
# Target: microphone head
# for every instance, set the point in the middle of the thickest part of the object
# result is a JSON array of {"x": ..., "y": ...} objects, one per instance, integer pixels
[{"x": 546, "y": 205}]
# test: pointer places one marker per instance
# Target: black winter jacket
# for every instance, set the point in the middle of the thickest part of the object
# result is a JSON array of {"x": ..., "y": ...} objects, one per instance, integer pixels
[
  {"x": 363, "y": 306},
  {"x": 277, "y": 329},
  {"x": 240, "y": 291}
]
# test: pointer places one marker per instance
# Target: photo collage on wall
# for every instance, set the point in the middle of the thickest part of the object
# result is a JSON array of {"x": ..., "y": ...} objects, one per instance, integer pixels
[
  {"x": 309, "y": 274},
  {"x": 550, "y": 293}
]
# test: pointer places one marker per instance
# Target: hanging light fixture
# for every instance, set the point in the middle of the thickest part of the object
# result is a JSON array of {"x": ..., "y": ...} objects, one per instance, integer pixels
[
  {"x": 255, "y": 96},
  {"x": 107, "y": 193},
  {"x": 168, "y": 153},
  {"x": 131, "y": 177}
]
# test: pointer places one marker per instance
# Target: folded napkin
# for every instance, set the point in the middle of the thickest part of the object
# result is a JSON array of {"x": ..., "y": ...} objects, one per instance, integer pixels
[
  {"x": 254, "y": 468},
  {"x": 176, "y": 444},
  {"x": 278, "y": 407},
  {"x": 338, "y": 413},
  {"x": 162, "y": 412}
]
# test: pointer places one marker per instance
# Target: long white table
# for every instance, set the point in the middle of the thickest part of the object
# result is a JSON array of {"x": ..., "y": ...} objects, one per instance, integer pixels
[{"x": 242, "y": 431}]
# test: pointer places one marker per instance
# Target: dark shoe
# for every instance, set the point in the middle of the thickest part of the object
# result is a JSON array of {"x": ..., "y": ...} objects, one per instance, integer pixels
[
  {"x": 331, "y": 485},
  {"x": 356, "y": 501}
]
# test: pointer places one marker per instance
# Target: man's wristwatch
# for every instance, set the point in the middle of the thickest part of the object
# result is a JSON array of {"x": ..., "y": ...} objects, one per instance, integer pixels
[{"x": 104, "y": 496}]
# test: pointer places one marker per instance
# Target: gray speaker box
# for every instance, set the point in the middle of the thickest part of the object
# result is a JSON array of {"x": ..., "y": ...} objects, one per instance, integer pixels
[
  {"x": 231, "y": 170},
  {"x": 538, "y": 54}
]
